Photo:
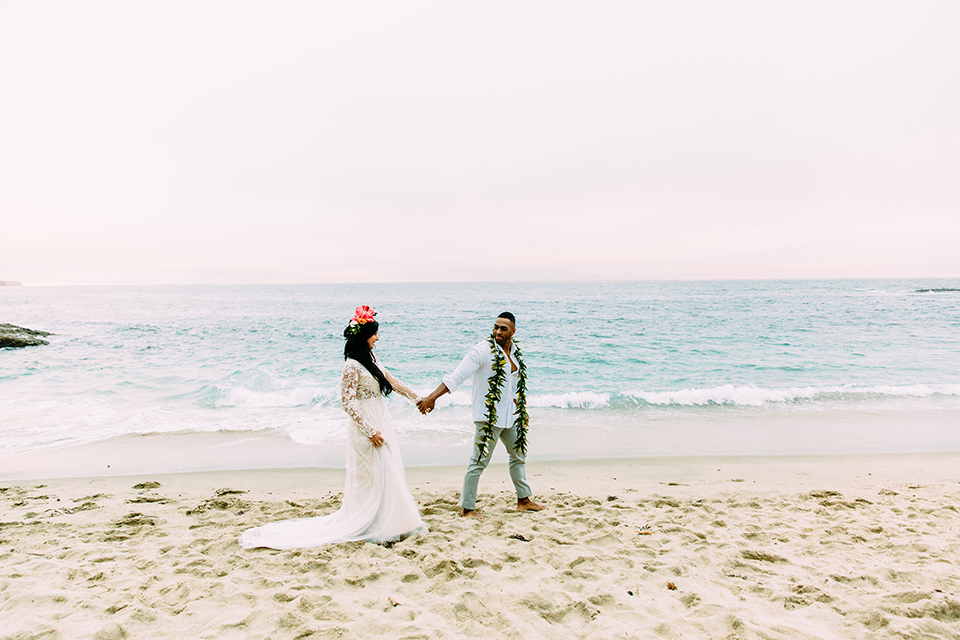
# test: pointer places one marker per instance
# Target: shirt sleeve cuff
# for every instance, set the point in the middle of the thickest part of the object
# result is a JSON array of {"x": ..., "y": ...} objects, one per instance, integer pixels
[{"x": 450, "y": 384}]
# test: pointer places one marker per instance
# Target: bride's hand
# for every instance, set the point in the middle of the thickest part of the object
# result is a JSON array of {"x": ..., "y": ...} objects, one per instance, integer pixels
[{"x": 377, "y": 439}]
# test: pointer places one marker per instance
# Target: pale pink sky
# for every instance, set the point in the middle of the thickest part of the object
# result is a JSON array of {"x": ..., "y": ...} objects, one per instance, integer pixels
[{"x": 329, "y": 141}]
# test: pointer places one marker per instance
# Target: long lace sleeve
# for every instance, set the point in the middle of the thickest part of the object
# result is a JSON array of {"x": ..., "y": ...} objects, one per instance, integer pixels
[
  {"x": 348, "y": 396},
  {"x": 401, "y": 388}
]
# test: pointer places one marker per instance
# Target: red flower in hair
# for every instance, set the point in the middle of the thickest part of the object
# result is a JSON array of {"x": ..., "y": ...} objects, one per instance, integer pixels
[{"x": 364, "y": 314}]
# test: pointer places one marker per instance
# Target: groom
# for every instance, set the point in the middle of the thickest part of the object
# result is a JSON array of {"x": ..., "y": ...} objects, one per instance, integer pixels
[{"x": 498, "y": 393}]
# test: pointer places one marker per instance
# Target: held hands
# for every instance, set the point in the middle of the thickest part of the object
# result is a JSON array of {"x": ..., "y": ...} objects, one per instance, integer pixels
[
  {"x": 377, "y": 439},
  {"x": 425, "y": 405}
]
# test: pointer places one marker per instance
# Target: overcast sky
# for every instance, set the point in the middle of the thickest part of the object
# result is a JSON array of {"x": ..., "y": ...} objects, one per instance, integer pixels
[{"x": 208, "y": 142}]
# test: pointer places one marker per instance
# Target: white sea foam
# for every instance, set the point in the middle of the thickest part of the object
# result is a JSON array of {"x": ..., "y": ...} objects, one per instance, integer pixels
[
  {"x": 572, "y": 400},
  {"x": 756, "y": 396},
  {"x": 241, "y": 397},
  {"x": 726, "y": 395},
  {"x": 915, "y": 390},
  {"x": 736, "y": 395}
]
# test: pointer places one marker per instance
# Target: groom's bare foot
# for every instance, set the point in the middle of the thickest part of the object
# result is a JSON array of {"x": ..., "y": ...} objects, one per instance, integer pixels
[
  {"x": 470, "y": 513},
  {"x": 526, "y": 504}
]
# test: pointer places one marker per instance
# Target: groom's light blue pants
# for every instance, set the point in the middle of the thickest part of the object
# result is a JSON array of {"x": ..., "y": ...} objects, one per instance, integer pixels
[{"x": 468, "y": 497}]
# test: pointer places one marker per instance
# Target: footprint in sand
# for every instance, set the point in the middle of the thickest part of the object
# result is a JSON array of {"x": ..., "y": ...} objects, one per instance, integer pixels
[{"x": 572, "y": 612}]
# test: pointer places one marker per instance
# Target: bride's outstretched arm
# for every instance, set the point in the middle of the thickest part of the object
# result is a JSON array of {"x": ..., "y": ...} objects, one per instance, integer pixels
[
  {"x": 348, "y": 397},
  {"x": 401, "y": 388}
]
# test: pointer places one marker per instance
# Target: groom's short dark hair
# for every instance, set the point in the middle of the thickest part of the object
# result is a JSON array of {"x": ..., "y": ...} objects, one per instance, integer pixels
[{"x": 508, "y": 316}]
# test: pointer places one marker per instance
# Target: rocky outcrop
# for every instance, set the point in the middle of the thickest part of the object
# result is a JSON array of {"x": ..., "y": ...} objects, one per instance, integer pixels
[
  {"x": 938, "y": 290},
  {"x": 13, "y": 336}
]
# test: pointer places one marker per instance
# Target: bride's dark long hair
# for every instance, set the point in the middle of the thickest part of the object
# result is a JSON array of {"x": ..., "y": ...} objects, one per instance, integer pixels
[{"x": 358, "y": 349}]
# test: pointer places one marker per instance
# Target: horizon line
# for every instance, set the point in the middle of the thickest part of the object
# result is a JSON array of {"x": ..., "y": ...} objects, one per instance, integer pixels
[{"x": 21, "y": 284}]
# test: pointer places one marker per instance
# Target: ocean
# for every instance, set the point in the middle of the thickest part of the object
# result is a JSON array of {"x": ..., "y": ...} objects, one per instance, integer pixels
[{"x": 153, "y": 379}]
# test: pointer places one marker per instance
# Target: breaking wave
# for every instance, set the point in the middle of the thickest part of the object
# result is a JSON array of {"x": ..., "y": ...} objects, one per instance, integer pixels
[{"x": 737, "y": 395}]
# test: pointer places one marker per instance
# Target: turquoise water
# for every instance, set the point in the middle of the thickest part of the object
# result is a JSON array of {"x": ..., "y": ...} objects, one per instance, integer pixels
[{"x": 184, "y": 377}]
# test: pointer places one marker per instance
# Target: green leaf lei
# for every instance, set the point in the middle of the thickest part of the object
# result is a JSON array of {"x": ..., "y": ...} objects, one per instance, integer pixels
[{"x": 521, "y": 419}]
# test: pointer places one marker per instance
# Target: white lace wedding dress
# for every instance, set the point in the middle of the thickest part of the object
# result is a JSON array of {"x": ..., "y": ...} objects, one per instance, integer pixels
[{"x": 377, "y": 505}]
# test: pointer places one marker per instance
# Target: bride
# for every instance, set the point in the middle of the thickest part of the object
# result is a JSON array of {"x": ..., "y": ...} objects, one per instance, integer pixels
[{"x": 377, "y": 505}]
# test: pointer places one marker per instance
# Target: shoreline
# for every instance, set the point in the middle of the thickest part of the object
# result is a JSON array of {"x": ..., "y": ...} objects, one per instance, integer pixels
[
  {"x": 862, "y": 546},
  {"x": 578, "y": 436},
  {"x": 777, "y": 472}
]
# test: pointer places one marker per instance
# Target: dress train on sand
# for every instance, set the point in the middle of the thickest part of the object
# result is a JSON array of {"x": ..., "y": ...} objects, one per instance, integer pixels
[{"x": 377, "y": 505}]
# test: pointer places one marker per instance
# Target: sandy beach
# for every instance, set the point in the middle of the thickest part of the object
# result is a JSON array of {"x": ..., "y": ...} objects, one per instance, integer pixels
[{"x": 792, "y": 547}]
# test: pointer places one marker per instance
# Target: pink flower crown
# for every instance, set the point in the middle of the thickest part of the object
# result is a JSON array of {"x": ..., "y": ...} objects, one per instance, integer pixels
[{"x": 362, "y": 315}]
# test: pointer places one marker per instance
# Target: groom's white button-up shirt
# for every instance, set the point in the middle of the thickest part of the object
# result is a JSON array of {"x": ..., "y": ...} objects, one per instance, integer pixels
[{"x": 479, "y": 363}]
